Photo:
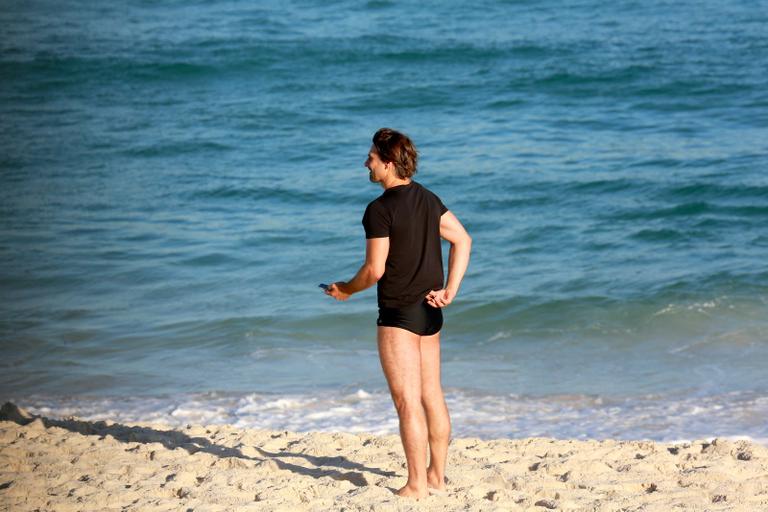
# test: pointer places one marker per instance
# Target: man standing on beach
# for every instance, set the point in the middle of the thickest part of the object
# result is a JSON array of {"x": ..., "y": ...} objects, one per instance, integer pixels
[{"x": 403, "y": 228}]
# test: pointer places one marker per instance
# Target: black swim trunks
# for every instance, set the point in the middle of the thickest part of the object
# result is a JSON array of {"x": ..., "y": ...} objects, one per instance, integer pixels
[{"x": 419, "y": 318}]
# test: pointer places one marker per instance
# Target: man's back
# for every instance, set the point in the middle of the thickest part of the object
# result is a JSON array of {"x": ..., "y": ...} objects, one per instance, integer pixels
[{"x": 410, "y": 216}]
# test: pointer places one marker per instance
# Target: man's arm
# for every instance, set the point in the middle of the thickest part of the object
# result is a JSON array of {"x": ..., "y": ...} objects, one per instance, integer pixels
[
  {"x": 458, "y": 259},
  {"x": 376, "y": 252}
]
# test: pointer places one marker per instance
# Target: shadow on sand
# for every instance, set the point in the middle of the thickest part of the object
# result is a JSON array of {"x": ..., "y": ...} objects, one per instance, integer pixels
[{"x": 172, "y": 439}]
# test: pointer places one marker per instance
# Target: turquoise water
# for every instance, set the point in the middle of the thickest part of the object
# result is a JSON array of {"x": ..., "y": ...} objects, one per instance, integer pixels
[{"x": 179, "y": 177}]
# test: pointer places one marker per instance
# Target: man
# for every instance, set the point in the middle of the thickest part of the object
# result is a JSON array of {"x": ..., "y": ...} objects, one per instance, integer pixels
[{"x": 403, "y": 228}]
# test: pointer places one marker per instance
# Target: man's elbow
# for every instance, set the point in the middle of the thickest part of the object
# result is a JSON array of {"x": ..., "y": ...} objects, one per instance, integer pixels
[
  {"x": 375, "y": 273},
  {"x": 465, "y": 242}
]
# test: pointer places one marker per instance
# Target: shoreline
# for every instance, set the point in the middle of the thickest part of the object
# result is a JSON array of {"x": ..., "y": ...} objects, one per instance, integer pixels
[
  {"x": 732, "y": 415},
  {"x": 71, "y": 464}
]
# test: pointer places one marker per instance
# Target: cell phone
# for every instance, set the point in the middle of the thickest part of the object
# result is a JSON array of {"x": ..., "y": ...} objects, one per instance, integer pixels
[{"x": 324, "y": 286}]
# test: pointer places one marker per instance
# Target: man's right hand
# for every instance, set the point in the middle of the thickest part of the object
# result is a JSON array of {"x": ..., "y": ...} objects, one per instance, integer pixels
[
  {"x": 440, "y": 298},
  {"x": 334, "y": 291}
]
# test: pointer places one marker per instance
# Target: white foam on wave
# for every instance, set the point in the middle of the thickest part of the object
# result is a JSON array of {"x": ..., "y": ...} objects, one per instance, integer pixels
[
  {"x": 733, "y": 415},
  {"x": 695, "y": 307}
]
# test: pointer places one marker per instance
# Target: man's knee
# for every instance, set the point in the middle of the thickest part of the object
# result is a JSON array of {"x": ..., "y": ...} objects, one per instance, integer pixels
[
  {"x": 432, "y": 397},
  {"x": 435, "y": 407},
  {"x": 407, "y": 403}
]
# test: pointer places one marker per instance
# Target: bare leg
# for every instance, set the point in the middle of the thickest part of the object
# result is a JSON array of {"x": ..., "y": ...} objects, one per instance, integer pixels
[
  {"x": 438, "y": 420},
  {"x": 399, "y": 352}
]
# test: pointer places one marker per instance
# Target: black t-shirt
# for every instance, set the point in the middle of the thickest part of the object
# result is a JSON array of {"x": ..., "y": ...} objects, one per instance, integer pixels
[{"x": 410, "y": 216}]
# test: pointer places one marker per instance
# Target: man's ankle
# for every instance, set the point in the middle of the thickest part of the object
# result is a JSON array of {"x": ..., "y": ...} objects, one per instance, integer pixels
[{"x": 433, "y": 479}]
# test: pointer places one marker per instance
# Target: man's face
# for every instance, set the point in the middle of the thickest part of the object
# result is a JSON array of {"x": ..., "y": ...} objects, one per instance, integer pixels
[{"x": 376, "y": 168}]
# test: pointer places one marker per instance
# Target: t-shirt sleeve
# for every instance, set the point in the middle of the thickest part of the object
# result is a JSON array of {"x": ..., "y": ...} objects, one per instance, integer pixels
[
  {"x": 440, "y": 205},
  {"x": 443, "y": 208},
  {"x": 376, "y": 221}
]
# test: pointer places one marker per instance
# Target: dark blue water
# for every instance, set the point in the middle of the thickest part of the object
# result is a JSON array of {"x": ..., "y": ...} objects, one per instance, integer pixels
[{"x": 178, "y": 178}]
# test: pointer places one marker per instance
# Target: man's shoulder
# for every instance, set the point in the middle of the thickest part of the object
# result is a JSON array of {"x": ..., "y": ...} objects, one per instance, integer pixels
[
  {"x": 376, "y": 202},
  {"x": 428, "y": 192},
  {"x": 379, "y": 206},
  {"x": 422, "y": 188}
]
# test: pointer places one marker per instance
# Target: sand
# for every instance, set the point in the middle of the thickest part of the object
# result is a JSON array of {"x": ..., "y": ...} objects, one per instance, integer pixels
[{"x": 70, "y": 464}]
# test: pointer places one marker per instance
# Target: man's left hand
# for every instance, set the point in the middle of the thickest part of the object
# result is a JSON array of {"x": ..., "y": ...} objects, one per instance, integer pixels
[{"x": 440, "y": 298}]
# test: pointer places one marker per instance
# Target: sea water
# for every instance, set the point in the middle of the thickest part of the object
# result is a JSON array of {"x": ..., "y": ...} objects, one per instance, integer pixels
[{"x": 178, "y": 177}]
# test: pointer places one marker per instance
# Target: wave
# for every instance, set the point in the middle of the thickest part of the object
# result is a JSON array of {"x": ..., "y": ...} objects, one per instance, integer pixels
[
  {"x": 277, "y": 194},
  {"x": 714, "y": 191},
  {"x": 690, "y": 209},
  {"x": 483, "y": 415},
  {"x": 607, "y": 186},
  {"x": 660, "y": 235},
  {"x": 49, "y": 71},
  {"x": 174, "y": 149},
  {"x": 678, "y": 312},
  {"x": 670, "y": 314}
]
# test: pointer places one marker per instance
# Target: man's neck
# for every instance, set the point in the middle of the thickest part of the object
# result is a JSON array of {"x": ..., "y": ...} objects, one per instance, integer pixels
[{"x": 394, "y": 182}]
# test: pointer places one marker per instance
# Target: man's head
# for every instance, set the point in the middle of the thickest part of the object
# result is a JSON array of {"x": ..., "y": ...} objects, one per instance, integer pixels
[{"x": 395, "y": 148}]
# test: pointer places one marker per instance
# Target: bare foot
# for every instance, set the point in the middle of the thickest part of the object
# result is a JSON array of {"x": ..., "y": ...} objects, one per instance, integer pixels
[
  {"x": 433, "y": 482},
  {"x": 410, "y": 492}
]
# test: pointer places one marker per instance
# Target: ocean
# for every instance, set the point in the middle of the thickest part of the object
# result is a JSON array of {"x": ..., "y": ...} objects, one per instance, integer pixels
[{"x": 178, "y": 178}]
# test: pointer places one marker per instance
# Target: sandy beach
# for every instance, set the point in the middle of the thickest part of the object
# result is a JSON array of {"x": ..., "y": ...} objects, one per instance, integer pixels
[{"x": 70, "y": 464}]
